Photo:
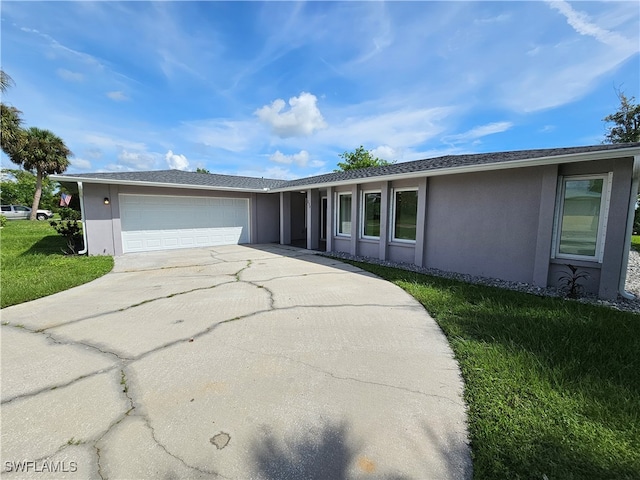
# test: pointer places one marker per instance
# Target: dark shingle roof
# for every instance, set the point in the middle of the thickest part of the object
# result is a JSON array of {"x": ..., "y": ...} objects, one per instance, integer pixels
[
  {"x": 451, "y": 161},
  {"x": 178, "y": 177}
]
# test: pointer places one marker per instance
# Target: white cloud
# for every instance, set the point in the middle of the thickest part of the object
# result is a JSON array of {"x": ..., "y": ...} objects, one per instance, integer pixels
[
  {"x": 69, "y": 75},
  {"x": 234, "y": 136},
  {"x": 104, "y": 141},
  {"x": 385, "y": 152},
  {"x": 581, "y": 23},
  {"x": 137, "y": 160},
  {"x": 80, "y": 164},
  {"x": 301, "y": 158},
  {"x": 396, "y": 128},
  {"x": 277, "y": 173},
  {"x": 118, "y": 96},
  {"x": 178, "y": 162},
  {"x": 479, "y": 132},
  {"x": 302, "y": 119}
]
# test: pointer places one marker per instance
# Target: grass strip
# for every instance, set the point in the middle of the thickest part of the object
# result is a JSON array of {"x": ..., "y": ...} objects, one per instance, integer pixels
[
  {"x": 552, "y": 385},
  {"x": 33, "y": 264}
]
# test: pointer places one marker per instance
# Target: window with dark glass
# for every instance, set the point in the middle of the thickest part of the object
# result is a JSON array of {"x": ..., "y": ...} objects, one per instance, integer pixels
[
  {"x": 405, "y": 214},
  {"x": 371, "y": 214},
  {"x": 344, "y": 214}
]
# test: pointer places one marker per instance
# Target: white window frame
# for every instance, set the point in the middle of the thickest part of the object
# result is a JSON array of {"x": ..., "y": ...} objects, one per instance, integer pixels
[
  {"x": 363, "y": 216},
  {"x": 337, "y": 215},
  {"x": 605, "y": 201},
  {"x": 392, "y": 229}
]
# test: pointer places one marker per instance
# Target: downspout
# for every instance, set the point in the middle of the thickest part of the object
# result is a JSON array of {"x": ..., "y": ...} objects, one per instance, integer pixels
[
  {"x": 633, "y": 198},
  {"x": 82, "y": 219}
]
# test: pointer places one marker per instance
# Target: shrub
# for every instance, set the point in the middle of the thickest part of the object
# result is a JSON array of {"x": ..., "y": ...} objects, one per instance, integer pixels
[
  {"x": 69, "y": 214},
  {"x": 3, "y": 220},
  {"x": 570, "y": 281},
  {"x": 636, "y": 222},
  {"x": 71, "y": 230}
]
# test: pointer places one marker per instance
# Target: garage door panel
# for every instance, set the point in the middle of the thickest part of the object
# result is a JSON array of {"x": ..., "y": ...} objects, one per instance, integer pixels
[{"x": 151, "y": 222}]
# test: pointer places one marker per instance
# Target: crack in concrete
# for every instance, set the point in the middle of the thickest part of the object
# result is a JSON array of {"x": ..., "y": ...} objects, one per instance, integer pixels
[
  {"x": 147, "y": 422},
  {"x": 123, "y": 362},
  {"x": 123, "y": 309},
  {"x": 338, "y": 377},
  {"x": 57, "y": 386}
]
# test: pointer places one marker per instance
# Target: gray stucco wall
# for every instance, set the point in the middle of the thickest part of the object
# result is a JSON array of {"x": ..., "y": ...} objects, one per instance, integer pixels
[
  {"x": 484, "y": 223},
  {"x": 267, "y": 218}
]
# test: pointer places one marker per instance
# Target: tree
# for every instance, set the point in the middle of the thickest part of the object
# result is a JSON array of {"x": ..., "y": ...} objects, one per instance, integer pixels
[
  {"x": 202, "y": 170},
  {"x": 360, "y": 158},
  {"x": 11, "y": 135},
  {"x": 626, "y": 121},
  {"x": 18, "y": 187},
  {"x": 42, "y": 152}
]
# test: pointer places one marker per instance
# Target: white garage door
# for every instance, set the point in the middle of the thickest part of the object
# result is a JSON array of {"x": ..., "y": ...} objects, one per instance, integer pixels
[{"x": 152, "y": 222}]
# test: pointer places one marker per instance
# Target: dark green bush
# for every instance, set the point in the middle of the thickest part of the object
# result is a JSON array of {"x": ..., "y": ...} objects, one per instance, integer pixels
[
  {"x": 71, "y": 230},
  {"x": 69, "y": 214},
  {"x": 3, "y": 220}
]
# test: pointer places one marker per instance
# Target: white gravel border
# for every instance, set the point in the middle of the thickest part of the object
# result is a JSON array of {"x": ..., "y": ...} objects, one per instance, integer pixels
[{"x": 632, "y": 284}]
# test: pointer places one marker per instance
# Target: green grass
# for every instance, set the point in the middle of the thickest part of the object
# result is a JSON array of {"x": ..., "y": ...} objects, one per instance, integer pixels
[
  {"x": 635, "y": 242},
  {"x": 33, "y": 264},
  {"x": 553, "y": 386}
]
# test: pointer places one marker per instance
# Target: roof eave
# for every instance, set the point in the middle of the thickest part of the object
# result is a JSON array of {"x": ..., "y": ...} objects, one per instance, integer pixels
[
  {"x": 138, "y": 183},
  {"x": 529, "y": 162}
]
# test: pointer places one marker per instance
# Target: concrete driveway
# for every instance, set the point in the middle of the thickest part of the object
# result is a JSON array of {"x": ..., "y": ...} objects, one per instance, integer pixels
[{"x": 261, "y": 362}]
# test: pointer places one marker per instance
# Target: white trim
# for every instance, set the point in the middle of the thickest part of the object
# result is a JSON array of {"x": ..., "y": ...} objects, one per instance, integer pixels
[
  {"x": 137, "y": 183},
  {"x": 605, "y": 200},
  {"x": 337, "y": 215},
  {"x": 363, "y": 214},
  {"x": 392, "y": 229}
]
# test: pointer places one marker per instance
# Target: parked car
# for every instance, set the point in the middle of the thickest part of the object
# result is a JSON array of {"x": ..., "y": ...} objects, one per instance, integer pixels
[{"x": 20, "y": 212}]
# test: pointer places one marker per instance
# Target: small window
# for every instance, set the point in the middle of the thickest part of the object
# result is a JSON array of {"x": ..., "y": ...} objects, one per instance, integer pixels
[
  {"x": 370, "y": 226},
  {"x": 581, "y": 217},
  {"x": 343, "y": 219},
  {"x": 405, "y": 215},
  {"x": 6, "y": 208}
]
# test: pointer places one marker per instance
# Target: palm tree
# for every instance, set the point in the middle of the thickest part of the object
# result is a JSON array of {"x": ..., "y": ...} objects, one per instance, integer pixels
[
  {"x": 11, "y": 134},
  {"x": 44, "y": 152},
  {"x": 5, "y": 81}
]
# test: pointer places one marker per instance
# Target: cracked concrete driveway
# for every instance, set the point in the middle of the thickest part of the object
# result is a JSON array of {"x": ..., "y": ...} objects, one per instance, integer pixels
[{"x": 263, "y": 362}]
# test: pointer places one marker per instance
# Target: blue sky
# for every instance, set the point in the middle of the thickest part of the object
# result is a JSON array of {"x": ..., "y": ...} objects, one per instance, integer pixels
[{"x": 279, "y": 89}]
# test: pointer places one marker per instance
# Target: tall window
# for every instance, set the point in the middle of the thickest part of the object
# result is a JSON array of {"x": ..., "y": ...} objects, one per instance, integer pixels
[
  {"x": 581, "y": 217},
  {"x": 405, "y": 214},
  {"x": 371, "y": 214},
  {"x": 343, "y": 221}
]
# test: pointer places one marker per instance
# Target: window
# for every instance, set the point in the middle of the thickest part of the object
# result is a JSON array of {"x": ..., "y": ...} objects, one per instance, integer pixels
[
  {"x": 405, "y": 215},
  {"x": 581, "y": 217},
  {"x": 343, "y": 212},
  {"x": 370, "y": 226}
]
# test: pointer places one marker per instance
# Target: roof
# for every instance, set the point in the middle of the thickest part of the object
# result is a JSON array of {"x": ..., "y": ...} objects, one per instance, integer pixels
[
  {"x": 178, "y": 178},
  {"x": 432, "y": 166},
  {"x": 451, "y": 163}
]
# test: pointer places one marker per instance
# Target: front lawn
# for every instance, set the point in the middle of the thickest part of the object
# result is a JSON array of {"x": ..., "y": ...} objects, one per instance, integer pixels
[
  {"x": 635, "y": 242},
  {"x": 33, "y": 264},
  {"x": 553, "y": 386}
]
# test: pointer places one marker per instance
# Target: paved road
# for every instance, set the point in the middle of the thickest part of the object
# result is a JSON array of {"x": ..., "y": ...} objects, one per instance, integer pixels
[{"x": 239, "y": 362}]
